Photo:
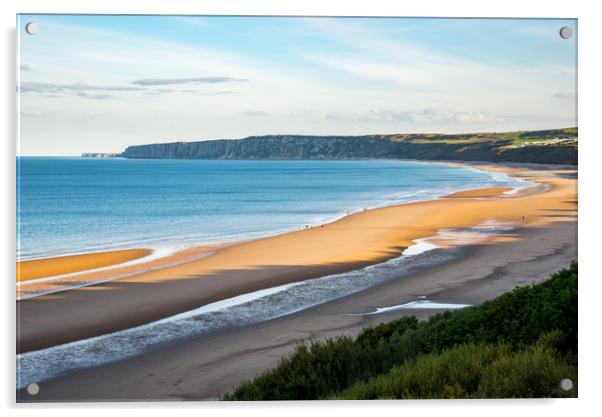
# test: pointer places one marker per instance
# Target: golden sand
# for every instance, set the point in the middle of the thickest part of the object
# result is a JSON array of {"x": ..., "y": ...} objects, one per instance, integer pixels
[
  {"x": 40, "y": 268},
  {"x": 358, "y": 239},
  {"x": 368, "y": 236}
]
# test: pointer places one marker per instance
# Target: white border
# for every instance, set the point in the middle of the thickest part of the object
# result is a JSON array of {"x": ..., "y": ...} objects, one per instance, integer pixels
[{"x": 590, "y": 151}]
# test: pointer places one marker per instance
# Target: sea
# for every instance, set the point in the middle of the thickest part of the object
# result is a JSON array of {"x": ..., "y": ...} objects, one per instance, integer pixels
[
  {"x": 72, "y": 205},
  {"x": 75, "y": 205}
]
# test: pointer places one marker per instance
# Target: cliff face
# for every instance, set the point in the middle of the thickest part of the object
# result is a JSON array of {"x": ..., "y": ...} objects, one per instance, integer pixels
[
  {"x": 270, "y": 147},
  {"x": 477, "y": 147}
]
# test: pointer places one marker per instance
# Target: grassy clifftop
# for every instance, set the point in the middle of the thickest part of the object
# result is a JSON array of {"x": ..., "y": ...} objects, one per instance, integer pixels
[
  {"x": 521, "y": 344},
  {"x": 555, "y": 146}
]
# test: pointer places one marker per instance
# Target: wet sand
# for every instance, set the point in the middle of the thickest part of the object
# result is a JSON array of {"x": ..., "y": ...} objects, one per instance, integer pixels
[
  {"x": 481, "y": 193},
  {"x": 354, "y": 241},
  {"x": 40, "y": 268},
  {"x": 86, "y": 277}
]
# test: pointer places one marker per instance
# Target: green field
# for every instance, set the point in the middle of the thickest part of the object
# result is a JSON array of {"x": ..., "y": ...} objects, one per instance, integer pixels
[{"x": 501, "y": 138}]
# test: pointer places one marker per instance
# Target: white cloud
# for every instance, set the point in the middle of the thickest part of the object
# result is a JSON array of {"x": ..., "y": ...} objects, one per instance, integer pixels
[
  {"x": 198, "y": 80},
  {"x": 423, "y": 116},
  {"x": 566, "y": 96},
  {"x": 26, "y": 87},
  {"x": 255, "y": 113},
  {"x": 435, "y": 78}
]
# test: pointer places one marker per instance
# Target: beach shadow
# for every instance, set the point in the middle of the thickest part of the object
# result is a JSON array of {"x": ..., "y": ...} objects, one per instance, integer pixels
[{"x": 85, "y": 312}]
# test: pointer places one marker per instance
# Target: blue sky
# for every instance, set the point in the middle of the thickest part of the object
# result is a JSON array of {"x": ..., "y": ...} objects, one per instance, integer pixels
[{"x": 100, "y": 83}]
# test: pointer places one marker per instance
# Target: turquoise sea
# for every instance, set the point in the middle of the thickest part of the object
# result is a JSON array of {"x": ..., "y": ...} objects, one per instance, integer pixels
[{"x": 73, "y": 205}]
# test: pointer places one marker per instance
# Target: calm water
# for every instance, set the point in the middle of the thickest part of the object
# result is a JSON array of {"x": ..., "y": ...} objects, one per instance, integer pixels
[{"x": 74, "y": 205}]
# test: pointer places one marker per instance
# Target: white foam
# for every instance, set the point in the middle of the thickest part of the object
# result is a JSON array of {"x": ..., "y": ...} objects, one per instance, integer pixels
[
  {"x": 518, "y": 184},
  {"x": 60, "y": 286},
  {"x": 154, "y": 255},
  {"x": 227, "y": 303},
  {"x": 420, "y": 305},
  {"x": 420, "y": 246},
  {"x": 527, "y": 184}
]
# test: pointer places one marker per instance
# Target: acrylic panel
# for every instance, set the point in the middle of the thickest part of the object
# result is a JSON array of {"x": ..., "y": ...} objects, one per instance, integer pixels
[{"x": 295, "y": 208}]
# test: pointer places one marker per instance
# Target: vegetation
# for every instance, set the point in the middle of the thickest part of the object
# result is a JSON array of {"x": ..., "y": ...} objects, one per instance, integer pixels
[
  {"x": 475, "y": 371},
  {"x": 500, "y": 137},
  {"x": 519, "y": 345}
]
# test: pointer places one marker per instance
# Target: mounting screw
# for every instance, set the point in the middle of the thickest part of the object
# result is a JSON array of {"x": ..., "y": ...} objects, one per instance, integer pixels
[
  {"x": 566, "y": 384},
  {"x": 566, "y": 32},
  {"x": 32, "y": 28},
  {"x": 33, "y": 389}
]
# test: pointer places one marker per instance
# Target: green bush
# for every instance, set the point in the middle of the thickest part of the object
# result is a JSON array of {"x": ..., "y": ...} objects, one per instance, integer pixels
[
  {"x": 515, "y": 320},
  {"x": 532, "y": 373},
  {"x": 474, "y": 371}
]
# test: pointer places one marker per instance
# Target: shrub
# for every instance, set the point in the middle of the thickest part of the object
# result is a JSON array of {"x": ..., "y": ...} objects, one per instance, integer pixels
[{"x": 474, "y": 371}]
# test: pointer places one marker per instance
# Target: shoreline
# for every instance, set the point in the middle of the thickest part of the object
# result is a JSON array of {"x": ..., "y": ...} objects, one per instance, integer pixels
[
  {"x": 34, "y": 269},
  {"x": 112, "y": 270},
  {"x": 47, "y": 320},
  {"x": 89, "y": 277},
  {"x": 204, "y": 368},
  {"x": 253, "y": 308}
]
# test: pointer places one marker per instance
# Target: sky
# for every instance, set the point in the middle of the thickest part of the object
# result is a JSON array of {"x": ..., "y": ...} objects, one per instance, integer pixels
[{"x": 101, "y": 83}]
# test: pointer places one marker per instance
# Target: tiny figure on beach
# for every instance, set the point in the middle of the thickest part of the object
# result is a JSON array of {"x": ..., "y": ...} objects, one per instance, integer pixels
[
  {"x": 321, "y": 226},
  {"x": 523, "y": 217}
]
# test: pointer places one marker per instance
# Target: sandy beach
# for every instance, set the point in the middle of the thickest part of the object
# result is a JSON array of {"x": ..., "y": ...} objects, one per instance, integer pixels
[
  {"x": 40, "y": 268},
  {"x": 209, "y": 366},
  {"x": 206, "y": 367}
]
